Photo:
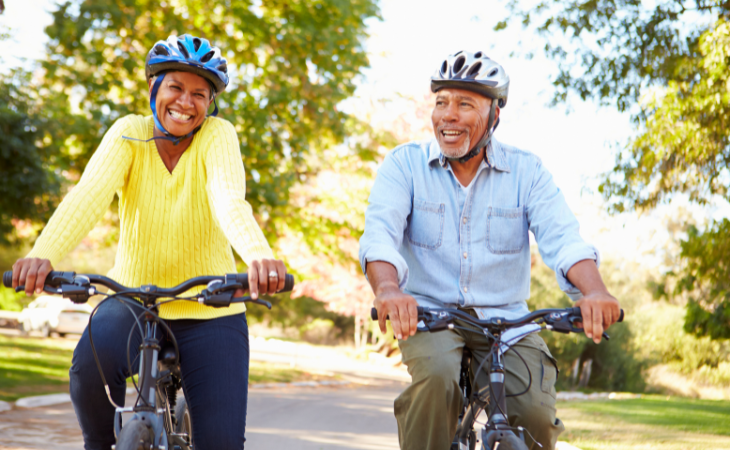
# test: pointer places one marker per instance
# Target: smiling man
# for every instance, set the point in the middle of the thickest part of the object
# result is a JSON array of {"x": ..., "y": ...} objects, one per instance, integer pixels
[{"x": 447, "y": 225}]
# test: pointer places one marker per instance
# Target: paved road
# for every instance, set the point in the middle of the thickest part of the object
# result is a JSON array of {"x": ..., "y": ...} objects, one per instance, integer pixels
[{"x": 321, "y": 418}]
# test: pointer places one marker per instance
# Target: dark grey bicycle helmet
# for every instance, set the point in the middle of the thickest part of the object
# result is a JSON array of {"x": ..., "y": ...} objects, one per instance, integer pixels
[{"x": 474, "y": 72}]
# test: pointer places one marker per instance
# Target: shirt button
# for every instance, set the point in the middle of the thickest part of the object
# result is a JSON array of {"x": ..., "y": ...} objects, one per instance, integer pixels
[
  {"x": 464, "y": 220},
  {"x": 464, "y": 255},
  {"x": 465, "y": 289}
]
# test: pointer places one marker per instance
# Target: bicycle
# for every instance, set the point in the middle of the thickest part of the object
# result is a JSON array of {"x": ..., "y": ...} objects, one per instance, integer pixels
[
  {"x": 497, "y": 433},
  {"x": 159, "y": 420}
]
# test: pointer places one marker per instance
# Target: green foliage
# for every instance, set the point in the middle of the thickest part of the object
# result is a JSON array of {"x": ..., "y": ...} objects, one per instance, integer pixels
[
  {"x": 672, "y": 59},
  {"x": 684, "y": 144},
  {"x": 614, "y": 49},
  {"x": 28, "y": 186},
  {"x": 291, "y": 62},
  {"x": 705, "y": 279},
  {"x": 300, "y": 313},
  {"x": 10, "y": 300},
  {"x": 617, "y": 364}
]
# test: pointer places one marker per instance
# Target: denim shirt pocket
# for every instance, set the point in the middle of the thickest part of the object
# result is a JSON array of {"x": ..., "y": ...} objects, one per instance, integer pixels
[
  {"x": 506, "y": 230},
  {"x": 426, "y": 227}
]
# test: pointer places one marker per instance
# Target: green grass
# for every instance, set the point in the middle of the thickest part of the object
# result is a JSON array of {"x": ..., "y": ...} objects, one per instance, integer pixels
[
  {"x": 647, "y": 423},
  {"x": 40, "y": 366},
  {"x": 33, "y": 366}
]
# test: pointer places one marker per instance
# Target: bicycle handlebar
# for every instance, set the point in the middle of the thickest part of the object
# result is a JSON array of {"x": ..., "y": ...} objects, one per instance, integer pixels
[
  {"x": 57, "y": 279},
  {"x": 561, "y": 321}
]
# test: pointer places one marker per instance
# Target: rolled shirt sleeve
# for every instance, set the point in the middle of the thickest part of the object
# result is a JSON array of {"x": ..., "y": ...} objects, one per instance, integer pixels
[
  {"x": 389, "y": 205},
  {"x": 556, "y": 230}
]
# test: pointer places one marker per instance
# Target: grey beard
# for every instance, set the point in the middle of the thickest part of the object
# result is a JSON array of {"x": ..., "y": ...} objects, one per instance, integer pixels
[{"x": 458, "y": 153}]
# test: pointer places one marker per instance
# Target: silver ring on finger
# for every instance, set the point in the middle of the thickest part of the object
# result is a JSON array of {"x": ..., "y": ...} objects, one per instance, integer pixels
[{"x": 273, "y": 274}]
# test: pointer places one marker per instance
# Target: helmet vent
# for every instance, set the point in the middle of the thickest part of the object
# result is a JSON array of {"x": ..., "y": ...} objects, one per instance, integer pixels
[
  {"x": 458, "y": 53},
  {"x": 474, "y": 70},
  {"x": 161, "y": 50},
  {"x": 196, "y": 44},
  {"x": 459, "y": 64},
  {"x": 444, "y": 66},
  {"x": 493, "y": 72},
  {"x": 207, "y": 57},
  {"x": 183, "y": 50},
  {"x": 478, "y": 55},
  {"x": 223, "y": 68}
]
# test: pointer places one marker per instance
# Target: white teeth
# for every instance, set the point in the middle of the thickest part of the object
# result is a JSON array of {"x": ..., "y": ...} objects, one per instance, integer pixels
[
  {"x": 179, "y": 116},
  {"x": 451, "y": 132}
]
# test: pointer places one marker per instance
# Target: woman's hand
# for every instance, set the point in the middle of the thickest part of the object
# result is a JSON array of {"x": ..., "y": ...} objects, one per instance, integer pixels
[
  {"x": 32, "y": 273},
  {"x": 266, "y": 276}
]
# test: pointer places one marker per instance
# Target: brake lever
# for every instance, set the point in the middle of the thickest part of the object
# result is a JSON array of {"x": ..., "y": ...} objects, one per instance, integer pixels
[{"x": 565, "y": 323}]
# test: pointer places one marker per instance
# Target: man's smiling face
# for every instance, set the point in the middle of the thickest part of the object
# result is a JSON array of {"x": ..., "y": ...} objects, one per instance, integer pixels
[
  {"x": 182, "y": 102},
  {"x": 459, "y": 120}
]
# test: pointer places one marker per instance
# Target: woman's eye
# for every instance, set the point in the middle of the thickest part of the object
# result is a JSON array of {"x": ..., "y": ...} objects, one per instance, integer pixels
[{"x": 175, "y": 88}]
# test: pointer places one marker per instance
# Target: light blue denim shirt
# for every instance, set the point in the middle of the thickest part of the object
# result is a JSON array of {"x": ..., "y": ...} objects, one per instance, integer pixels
[{"x": 470, "y": 247}]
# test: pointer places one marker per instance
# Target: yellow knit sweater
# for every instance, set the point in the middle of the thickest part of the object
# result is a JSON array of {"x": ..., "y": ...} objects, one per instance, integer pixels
[{"x": 174, "y": 226}]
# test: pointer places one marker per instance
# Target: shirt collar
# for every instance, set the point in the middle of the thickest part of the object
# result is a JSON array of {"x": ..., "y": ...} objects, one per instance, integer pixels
[{"x": 496, "y": 157}]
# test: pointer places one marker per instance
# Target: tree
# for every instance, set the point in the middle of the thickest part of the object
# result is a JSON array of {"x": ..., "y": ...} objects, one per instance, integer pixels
[
  {"x": 28, "y": 185},
  {"x": 292, "y": 63},
  {"x": 668, "y": 64}
]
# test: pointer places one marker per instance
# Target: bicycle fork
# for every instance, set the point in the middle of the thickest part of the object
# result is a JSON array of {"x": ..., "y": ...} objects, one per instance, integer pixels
[{"x": 146, "y": 408}]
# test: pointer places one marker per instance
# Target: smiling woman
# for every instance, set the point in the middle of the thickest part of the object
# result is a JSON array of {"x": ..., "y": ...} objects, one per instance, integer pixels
[
  {"x": 182, "y": 187},
  {"x": 182, "y": 102}
]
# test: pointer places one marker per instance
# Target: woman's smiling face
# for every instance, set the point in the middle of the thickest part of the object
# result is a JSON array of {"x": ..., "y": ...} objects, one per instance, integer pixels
[{"x": 182, "y": 101}]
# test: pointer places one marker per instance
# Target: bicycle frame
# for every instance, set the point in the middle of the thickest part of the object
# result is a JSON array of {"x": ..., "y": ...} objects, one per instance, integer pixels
[{"x": 476, "y": 403}]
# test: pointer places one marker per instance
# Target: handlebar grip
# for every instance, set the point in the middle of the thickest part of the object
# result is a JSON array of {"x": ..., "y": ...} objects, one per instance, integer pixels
[
  {"x": 68, "y": 276},
  {"x": 374, "y": 313},
  {"x": 288, "y": 281},
  {"x": 575, "y": 311}
]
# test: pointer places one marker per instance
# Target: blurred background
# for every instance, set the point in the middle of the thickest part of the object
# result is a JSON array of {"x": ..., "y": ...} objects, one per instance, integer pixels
[{"x": 626, "y": 103}]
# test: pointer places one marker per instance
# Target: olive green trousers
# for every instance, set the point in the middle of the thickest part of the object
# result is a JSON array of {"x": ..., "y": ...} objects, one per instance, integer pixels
[{"x": 427, "y": 411}]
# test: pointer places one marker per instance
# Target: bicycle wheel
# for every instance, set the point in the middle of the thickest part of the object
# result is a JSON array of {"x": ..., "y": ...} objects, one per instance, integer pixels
[
  {"x": 135, "y": 435},
  {"x": 502, "y": 440},
  {"x": 182, "y": 414}
]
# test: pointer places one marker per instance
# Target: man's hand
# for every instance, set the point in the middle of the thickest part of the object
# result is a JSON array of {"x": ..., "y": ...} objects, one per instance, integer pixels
[
  {"x": 401, "y": 308},
  {"x": 600, "y": 310},
  {"x": 32, "y": 273},
  {"x": 265, "y": 277}
]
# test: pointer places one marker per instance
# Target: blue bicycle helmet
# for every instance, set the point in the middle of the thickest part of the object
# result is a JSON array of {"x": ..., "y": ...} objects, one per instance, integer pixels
[
  {"x": 188, "y": 54},
  {"x": 184, "y": 54}
]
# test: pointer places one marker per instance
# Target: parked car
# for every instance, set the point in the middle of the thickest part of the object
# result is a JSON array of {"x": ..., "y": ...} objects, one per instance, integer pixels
[{"x": 49, "y": 314}]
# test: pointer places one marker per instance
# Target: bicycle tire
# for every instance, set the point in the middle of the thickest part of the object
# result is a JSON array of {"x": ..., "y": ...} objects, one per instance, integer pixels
[
  {"x": 182, "y": 414},
  {"x": 135, "y": 435},
  {"x": 512, "y": 442},
  {"x": 472, "y": 440}
]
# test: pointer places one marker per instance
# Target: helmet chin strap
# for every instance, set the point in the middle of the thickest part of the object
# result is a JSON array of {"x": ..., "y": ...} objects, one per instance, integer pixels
[
  {"x": 167, "y": 135},
  {"x": 484, "y": 141}
]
